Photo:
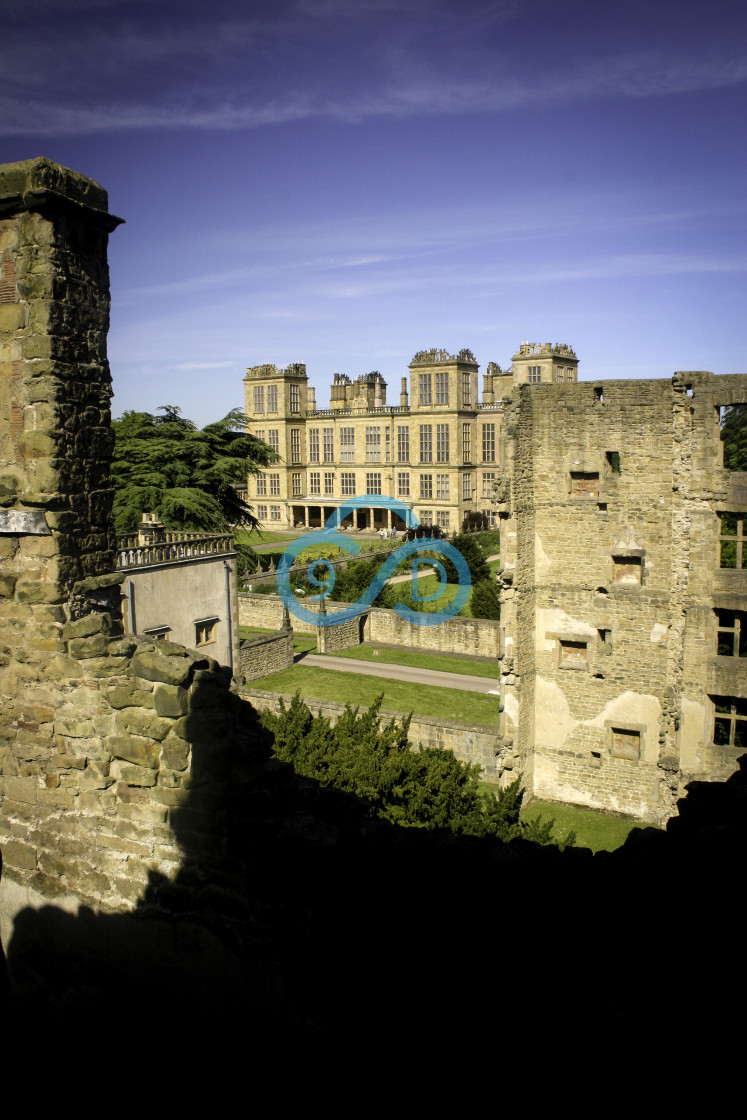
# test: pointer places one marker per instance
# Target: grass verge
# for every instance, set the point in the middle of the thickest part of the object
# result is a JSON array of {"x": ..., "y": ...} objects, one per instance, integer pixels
[
  {"x": 418, "y": 660},
  {"x": 302, "y": 643},
  {"x": 399, "y": 696},
  {"x": 598, "y": 831}
]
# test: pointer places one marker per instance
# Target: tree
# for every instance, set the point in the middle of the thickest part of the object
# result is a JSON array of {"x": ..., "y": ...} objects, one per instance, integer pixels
[
  {"x": 473, "y": 554},
  {"x": 186, "y": 475},
  {"x": 428, "y": 788},
  {"x": 734, "y": 435},
  {"x": 484, "y": 602}
]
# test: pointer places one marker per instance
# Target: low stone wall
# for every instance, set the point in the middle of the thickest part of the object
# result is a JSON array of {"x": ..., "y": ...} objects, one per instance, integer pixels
[
  {"x": 476, "y": 637},
  {"x": 269, "y": 653},
  {"x": 469, "y": 742},
  {"x": 266, "y": 611}
]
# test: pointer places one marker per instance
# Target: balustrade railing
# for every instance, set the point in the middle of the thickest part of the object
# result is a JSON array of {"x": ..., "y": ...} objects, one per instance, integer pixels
[{"x": 175, "y": 546}]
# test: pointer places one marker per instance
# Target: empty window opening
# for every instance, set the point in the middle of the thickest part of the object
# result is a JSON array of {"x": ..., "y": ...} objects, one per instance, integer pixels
[
  {"x": 628, "y": 570},
  {"x": 689, "y": 390},
  {"x": 599, "y": 393},
  {"x": 732, "y": 539},
  {"x": 584, "y": 484},
  {"x": 731, "y": 639},
  {"x": 602, "y": 507},
  {"x": 613, "y": 458},
  {"x": 625, "y": 743},
  {"x": 572, "y": 654},
  {"x": 729, "y": 722},
  {"x": 734, "y": 436}
]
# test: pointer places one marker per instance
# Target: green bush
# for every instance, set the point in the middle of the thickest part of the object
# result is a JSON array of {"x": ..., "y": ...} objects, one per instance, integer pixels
[{"x": 428, "y": 789}]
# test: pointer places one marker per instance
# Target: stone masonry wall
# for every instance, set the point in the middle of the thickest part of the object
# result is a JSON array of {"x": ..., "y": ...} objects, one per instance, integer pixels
[
  {"x": 270, "y": 653},
  {"x": 477, "y": 637},
  {"x": 610, "y": 540}
]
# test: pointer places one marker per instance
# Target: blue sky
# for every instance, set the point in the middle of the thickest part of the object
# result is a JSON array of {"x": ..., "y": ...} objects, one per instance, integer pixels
[{"x": 345, "y": 182}]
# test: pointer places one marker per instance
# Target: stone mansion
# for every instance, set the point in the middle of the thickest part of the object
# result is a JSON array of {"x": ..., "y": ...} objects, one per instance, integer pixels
[{"x": 436, "y": 451}]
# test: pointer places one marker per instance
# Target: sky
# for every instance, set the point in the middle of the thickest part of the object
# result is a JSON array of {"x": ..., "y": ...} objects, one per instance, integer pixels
[{"x": 346, "y": 182}]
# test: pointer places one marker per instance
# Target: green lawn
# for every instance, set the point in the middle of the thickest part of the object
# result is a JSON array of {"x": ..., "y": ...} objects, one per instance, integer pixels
[
  {"x": 302, "y": 643},
  {"x": 399, "y": 696},
  {"x": 421, "y": 661},
  {"x": 598, "y": 831}
]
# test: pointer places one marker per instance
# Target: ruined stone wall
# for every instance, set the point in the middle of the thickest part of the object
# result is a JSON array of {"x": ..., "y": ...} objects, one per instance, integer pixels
[
  {"x": 270, "y": 653},
  {"x": 469, "y": 742},
  {"x": 613, "y": 494},
  {"x": 99, "y": 732}
]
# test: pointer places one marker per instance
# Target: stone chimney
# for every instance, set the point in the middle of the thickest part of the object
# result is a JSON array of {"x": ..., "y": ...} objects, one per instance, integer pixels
[{"x": 403, "y": 394}]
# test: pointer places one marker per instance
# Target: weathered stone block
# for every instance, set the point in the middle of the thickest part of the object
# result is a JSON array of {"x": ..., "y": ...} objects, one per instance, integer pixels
[
  {"x": 12, "y": 316},
  {"x": 130, "y": 695},
  {"x": 175, "y": 753},
  {"x": 136, "y": 721},
  {"x": 87, "y": 626},
  {"x": 18, "y": 855},
  {"x": 154, "y": 666},
  {"x": 170, "y": 700},
  {"x": 22, "y": 789},
  {"x": 81, "y": 648},
  {"x": 133, "y": 775},
  {"x": 136, "y": 749}
]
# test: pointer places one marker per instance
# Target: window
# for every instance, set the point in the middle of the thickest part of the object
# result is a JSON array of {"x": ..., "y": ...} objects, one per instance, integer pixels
[
  {"x": 488, "y": 443},
  {"x": 466, "y": 487},
  {"x": 313, "y": 445},
  {"x": 272, "y": 398},
  {"x": 442, "y": 486},
  {"x": 373, "y": 445},
  {"x": 426, "y": 517},
  {"x": 403, "y": 444},
  {"x": 572, "y": 654},
  {"x": 467, "y": 443},
  {"x": 329, "y": 483},
  {"x": 329, "y": 445},
  {"x": 347, "y": 483},
  {"x": 584, "y": 484},
  {"x": 466, "y": 390},
  {"x": 534, "y": 373},
  {"x": 442, "y": 443},
  {"x": 729, "y": 721},
  {"x": 315, "y": 482},
  {"x": 259, "y": 435},
  {"x": 731, "y": 640},
  {"x": 425, "y": 389},
  {"x": 261, "y": 486},
  {"x": 274, "y": 485},
  {"x": 296, "y": 484},
  {"x": 347, "y": 445},
  {"x": 262, "y": 513},
  {"x": 442, "y": 519},
  {"x": 442, "y": 388},
  {"x": 732, "y": 540},
  {"x": 205, "y": 631},
  {"x": 259, "y": 398},
  {"x": 274, "y": 513},
  {"x": 295, "y": 445},
  {"x": 426, "y": 486},
  {"x": 625, "y": 742},
  {"x": 403, "y": 484},
  {"x": 613, "y": 461},
  {"x": 628, "y": 570},
  {"x": 274, "y": 440},
  {"x": 295, "y": 399},
  {"x": 426, "y": 443},
  {"x": 487, "y": 486},
  {"x": 158, "y": 633},
  {"x": 387, "y": 435},
  {"x": 373, "y": 482}
]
